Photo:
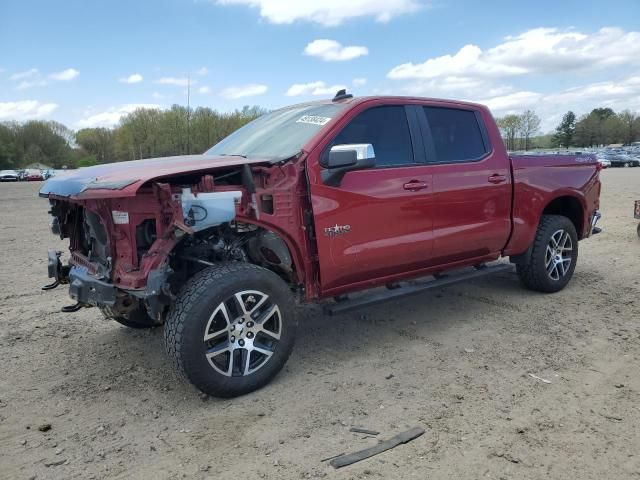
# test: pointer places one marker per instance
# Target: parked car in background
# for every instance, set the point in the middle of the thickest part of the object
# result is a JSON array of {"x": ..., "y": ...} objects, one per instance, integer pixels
[
  {"x": 33, "y": 175},
  {"x": 603, "y": 160},
  {"x": 623, "y": 160},
  {"x": 633, "y": 154},
  {"x": 9, "y": 176}
]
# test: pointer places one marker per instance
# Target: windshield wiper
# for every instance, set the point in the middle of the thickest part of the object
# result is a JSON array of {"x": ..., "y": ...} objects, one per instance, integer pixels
[{"x": 232, "y": 155}]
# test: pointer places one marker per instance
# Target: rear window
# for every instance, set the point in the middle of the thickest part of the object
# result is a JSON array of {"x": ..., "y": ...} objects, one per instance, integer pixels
[{"x": 456, "y": 134}]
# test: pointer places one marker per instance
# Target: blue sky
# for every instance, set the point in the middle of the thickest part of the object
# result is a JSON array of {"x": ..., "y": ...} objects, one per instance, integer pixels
[{"x": 86, "y": 63}]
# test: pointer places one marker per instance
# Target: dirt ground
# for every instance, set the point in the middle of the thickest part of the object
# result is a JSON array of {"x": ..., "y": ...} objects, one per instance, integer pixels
[{"x": 456, "y": 362}]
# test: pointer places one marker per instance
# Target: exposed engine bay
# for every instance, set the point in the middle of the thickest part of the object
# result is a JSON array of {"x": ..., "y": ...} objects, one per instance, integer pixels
[{"x": 129, "y": 254}]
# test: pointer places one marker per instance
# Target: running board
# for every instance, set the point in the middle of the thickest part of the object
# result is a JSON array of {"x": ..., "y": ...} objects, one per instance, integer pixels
[{"x": 403, "y": 290}]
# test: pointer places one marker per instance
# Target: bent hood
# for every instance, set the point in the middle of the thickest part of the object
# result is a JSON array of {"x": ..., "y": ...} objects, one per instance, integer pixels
[{"x": 123, "y": 179}]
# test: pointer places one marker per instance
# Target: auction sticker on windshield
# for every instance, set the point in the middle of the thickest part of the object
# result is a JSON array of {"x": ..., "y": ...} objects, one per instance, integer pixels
[{"x": 313, "y": 120}]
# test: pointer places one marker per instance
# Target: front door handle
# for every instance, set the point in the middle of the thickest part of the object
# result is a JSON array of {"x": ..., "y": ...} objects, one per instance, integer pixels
[
  {"x": 415, "y": 185},
  {"x": 495, "y": 178}
]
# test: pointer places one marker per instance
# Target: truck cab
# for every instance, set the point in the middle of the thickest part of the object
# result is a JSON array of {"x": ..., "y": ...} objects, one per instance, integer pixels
[{"x": 438, "y": 186}]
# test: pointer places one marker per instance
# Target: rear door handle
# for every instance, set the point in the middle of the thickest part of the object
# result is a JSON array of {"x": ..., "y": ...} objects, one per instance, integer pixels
[
  {"x": 495, "y": 178},
  {"x": 415, "y": 185}
]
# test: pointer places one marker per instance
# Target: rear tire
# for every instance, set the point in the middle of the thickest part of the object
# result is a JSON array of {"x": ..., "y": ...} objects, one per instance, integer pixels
[
  {"x": 553, "y": 256},
  {"x": 231, "y": 329}
]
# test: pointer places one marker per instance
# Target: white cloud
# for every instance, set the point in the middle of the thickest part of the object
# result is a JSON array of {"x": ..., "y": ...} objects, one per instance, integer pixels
[
  {"x": 541, "y": 50},
  {"x": 619, "y": 94},
  {"x": 481, "y": 75},
  {"x": 33, "y": 77},
  {"x": 328, "y": 12},
  {"x": 242, "y": 91},
  {"x": 359, "y": 82},
  {"x": 452, "y": 87},
  {"x": 176, "y": 81},
  {"x": 28, "y": 79},
  {"x": 624, "y": 93},
  {"x": 204, "y": 90},
  {"x": 32, "y": 72},
  {"x": 202, "y": 71},
  {"x": 332, "y": 51},
  {"x": 550, "y": 50},
  {"x": 312, "y": 88},
  {"x": 65, "y": 75},
  {"x": 25, "y": 84},
  {"x": 470, "y": 60},
  {"x": 133, "y": 78},
  {"x": 159, "y": 95},
  {"x": 513, "y": 102},
  {"x": 25, "y": 110},
  {"x": 112, "y": 115}
]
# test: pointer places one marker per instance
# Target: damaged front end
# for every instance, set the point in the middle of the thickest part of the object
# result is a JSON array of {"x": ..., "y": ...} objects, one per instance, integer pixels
[
  {"x": 119, "y": 247},
  {"x": 115, "y": 244},
  {"x": 130, "y": 252}
]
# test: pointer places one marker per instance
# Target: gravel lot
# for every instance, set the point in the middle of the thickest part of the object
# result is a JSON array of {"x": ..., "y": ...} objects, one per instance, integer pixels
[{"x": 456, "y": 362}]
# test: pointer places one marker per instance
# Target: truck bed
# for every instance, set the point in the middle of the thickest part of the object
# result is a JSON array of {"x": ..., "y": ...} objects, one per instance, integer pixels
[{"x": 537, "y": 179}]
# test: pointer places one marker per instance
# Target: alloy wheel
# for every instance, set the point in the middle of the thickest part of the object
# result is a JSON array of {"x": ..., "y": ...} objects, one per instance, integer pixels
[
  {"x": 559, "y": 254},
  {"x": 242, "y": 333}
]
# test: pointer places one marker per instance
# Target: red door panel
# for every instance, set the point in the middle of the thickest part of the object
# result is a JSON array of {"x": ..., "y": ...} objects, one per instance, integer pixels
[
  {"x": 377, "y": 223},
  {"x": 471, "y": 185},
  {"x": 471, "y": 209}
]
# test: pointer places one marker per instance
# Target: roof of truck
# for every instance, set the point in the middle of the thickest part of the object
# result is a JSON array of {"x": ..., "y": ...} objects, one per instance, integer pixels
[{"x": 391, "y": 98}]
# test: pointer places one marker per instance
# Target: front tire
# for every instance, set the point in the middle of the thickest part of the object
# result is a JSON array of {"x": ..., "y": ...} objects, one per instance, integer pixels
[
  {"x": 231, "y": 329},
  {"x": 553, "y": 256}
]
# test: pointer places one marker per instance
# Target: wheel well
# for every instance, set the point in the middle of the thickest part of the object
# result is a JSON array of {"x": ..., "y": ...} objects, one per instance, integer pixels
[
  {"x": 569, "y": 207},
  {"x": 237, "y": 242}
]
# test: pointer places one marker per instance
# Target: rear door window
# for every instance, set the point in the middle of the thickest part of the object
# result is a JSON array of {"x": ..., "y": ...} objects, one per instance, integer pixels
[{"x": 456, "y": 135}]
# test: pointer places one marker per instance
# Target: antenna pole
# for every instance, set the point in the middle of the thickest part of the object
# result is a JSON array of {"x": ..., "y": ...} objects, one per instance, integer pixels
[{"x": 189, "y": 114}]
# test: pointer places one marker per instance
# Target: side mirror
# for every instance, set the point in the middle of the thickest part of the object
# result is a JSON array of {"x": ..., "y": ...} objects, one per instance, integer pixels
[{"x": 345, "y": 158}]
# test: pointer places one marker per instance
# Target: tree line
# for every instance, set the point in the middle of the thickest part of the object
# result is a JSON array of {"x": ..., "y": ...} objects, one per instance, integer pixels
[
  {"x": 143, "y": 133},
  {"x": 518, "y": 131},
  {"x": 600, "y": 127}
]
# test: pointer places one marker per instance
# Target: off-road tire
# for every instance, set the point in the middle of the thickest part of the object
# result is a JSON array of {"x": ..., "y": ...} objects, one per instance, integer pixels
[
  {"x": 190, "y": 317},
  {"x": 138, "y": 318},
  {"x": 534, "y": 274}
]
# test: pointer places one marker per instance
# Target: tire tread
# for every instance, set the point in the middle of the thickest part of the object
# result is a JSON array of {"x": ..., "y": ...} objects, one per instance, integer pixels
[
  {"x": 193, "y": 290},
  {"x": 535, "y": 278}
]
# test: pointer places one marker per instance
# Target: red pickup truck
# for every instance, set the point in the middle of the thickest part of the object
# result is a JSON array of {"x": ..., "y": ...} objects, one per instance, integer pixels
[{"x": 317, "y": 201}]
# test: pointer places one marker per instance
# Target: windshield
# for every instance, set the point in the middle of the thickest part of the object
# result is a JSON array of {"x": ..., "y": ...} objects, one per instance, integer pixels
[{"x": 277, "y": 135}]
